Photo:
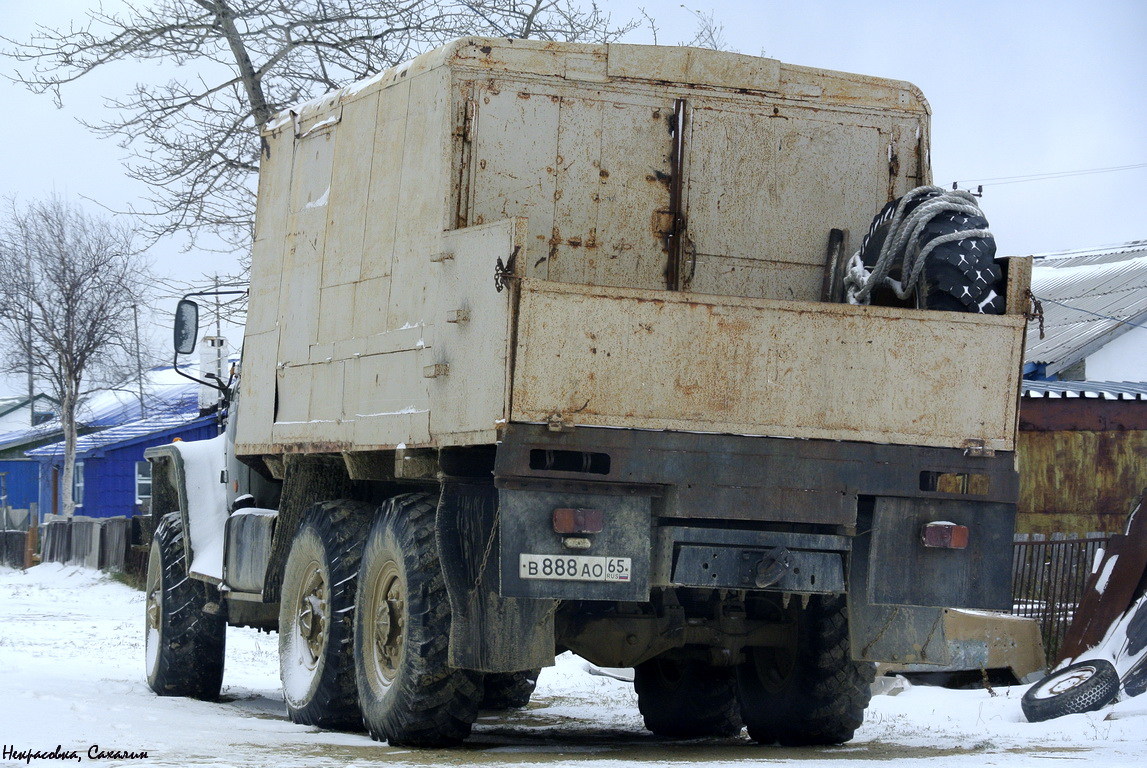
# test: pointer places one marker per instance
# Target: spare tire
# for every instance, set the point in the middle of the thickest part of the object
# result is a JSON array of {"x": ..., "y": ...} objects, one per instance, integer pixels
[
  {"x": 1082, "y": 687},
  {"x": 959, "y": 274}
]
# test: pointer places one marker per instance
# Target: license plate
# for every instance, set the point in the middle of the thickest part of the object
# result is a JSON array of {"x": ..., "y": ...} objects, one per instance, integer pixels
[{"x": 574, "y": 567}]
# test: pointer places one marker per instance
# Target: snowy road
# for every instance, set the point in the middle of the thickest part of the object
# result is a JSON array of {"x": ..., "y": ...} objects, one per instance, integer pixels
[{"x": 71, "y": 675}]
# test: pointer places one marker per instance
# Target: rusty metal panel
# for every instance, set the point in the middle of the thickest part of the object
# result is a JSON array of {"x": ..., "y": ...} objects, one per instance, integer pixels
[
  {"x": 360, "y": 185},
  {"x": 748, "y": 366},
  {"x": 515, "y": 148},
  {"x": 765, "y": 188},
  {"x": 1084, "y": 414},
  {"x": 611, "y": 205},
  {"x": 1079, "y": 481},
  {"x": 1116, "y": 581}
]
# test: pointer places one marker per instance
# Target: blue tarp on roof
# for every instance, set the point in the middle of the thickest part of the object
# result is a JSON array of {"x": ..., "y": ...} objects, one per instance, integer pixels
[
  {"x": 91, "y": 445},
  {"x": 165, "y": 393}
]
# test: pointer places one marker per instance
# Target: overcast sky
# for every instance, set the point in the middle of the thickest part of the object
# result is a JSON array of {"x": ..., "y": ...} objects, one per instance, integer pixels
[{"x": 1016, "y": 89}]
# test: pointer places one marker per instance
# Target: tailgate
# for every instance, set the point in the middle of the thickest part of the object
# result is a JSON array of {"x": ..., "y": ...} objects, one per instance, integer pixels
[{"x": 619, "y": 357}]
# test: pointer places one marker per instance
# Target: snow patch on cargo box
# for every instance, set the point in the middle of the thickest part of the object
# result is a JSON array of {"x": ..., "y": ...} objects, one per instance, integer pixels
[{"x": 321, "y": 202}]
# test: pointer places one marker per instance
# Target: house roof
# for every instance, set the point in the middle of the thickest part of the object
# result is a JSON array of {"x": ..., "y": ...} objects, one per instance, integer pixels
[
  {"x": 165, "y": 392},
  {"x": 1089, "y": 298},
  {"x": 125, "y": 434},
  {"x": 9, "y": 404},
  {"x": 1107, "y": 390}
]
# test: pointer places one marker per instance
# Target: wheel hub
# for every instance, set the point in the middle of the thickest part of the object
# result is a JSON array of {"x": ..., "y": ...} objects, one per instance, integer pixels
[
  {"x": 389, "y": 623},
  {"x": 1068, "y": 682},
  {"x": 154, "y": 611},
  {"x": 312, "y": 614}
]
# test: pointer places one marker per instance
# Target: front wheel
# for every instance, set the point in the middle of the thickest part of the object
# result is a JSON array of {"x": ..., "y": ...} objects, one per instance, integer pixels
[
  {"x": 184, "y": 646},
  {"x": 410, "y": 695}
]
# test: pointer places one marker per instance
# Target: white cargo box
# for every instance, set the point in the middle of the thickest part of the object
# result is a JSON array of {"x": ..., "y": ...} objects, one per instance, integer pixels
[{"x": 386, "y": 210}]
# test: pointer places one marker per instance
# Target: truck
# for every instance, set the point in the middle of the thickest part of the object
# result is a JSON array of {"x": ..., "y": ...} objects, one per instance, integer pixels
[{"x": 560, "y": 347}]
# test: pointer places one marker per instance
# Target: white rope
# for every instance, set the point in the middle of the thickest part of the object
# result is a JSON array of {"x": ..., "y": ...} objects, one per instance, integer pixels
[{"x": 902, "y": 243}]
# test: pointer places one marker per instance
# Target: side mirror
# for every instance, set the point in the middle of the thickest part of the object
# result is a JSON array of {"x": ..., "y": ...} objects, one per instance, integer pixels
[{"x": 186, "y": 326}]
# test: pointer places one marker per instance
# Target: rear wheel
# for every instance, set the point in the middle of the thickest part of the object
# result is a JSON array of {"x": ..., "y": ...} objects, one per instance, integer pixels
[
  {"x": 315, "y": 616},
  {"x": 810, "y": 691},
  {"x": 410, "y": 694},
  {"x": 687, "y": 699},
  {"x": 184, "y": 646},
  {"x": 508, "y": 690}
]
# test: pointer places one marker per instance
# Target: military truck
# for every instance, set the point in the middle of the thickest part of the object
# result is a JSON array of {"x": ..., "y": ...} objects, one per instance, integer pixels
[{"x": 560, "y": 347}]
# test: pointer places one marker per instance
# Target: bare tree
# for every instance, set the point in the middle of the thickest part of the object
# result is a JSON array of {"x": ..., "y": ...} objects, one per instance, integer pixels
[
  {"x": 710, "y": 32},
  {"x": 66, "y": 301},
  {"x": 194, "y": 141}
]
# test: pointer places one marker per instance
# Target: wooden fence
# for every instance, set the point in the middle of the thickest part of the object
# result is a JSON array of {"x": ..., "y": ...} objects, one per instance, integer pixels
[{"x": 94, "y": 542}]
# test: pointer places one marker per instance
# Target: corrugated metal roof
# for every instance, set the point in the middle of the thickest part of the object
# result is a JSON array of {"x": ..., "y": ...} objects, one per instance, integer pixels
[
  {"x": 165, "y": 392},
  {"x": 122, "y": 434},
  {"x": 1088, "y": 298},
  {"x": 1108, "y": 390}
]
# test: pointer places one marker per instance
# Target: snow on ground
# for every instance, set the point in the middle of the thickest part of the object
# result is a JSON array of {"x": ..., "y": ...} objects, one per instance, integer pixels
[{"x": 71, "y": 675}]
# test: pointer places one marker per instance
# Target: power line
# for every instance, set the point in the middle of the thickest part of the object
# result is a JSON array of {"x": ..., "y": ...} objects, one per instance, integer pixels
[
  {"x": 999, "y": 180},
  {"x": 1089, "y": 312}
]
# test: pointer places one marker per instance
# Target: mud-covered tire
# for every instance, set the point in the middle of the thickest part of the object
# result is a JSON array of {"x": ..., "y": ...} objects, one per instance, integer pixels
[
  {"x": 809, "y": 692},
  {"x": 410, "y": 695},
  {"x": 687, "y": 699},
  {"x": 316, "y": 621},
  {"x": 508, "y": 690},
  {"x": 1082, "y": 687},
  {"x": 958, "y": 276},
  {"x": 184, "y": 647}
]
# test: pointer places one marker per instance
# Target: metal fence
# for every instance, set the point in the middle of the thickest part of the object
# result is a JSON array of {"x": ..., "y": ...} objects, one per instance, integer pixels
[{"x": 1049, "y": 574}]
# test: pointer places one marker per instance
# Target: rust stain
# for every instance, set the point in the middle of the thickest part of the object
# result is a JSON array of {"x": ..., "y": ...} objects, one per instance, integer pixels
[{"x": 689, "y": 390}]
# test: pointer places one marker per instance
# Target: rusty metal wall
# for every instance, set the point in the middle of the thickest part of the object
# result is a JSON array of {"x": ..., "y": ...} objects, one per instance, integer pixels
[{"x": 1078, "y": 481}]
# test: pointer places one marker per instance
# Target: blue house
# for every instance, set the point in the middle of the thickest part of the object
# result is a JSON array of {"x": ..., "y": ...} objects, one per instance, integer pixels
[
  {"x": 111, "y": 476},
  {"x": 19, "y": 475},
  {"x": 163, "y": 393}
]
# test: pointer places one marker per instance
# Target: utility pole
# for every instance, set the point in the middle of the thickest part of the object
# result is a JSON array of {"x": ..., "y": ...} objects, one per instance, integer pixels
[
  {"x": 31, "y": 371},
  {"x": 138, "y": 361}
]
